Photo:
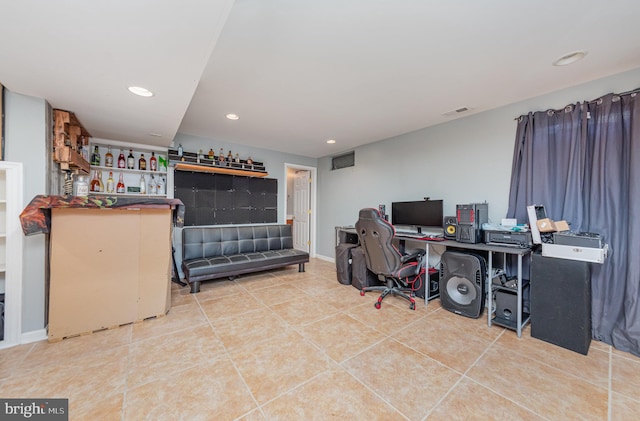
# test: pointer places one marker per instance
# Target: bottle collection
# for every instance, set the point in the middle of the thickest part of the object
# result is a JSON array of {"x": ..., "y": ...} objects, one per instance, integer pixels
[
  {"x": 152, "y": 184},
  {"x": 209, "y": 158}
]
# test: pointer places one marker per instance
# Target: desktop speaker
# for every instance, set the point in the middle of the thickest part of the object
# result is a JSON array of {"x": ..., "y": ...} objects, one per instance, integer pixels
[
  {"x": 449, "y": 225},
  {"x": 462, "y": 279}
]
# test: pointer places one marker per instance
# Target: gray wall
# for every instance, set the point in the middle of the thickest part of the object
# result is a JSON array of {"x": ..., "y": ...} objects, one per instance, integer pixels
[
  {"x": 26, "y": 129},
  {"x": 466, "y": 160}
]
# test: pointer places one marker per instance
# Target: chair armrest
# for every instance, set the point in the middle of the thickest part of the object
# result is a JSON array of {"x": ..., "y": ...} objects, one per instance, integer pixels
[{"x": 414, "y": 255}]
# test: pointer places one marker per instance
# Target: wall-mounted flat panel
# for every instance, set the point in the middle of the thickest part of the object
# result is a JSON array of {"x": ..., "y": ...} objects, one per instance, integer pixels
[{"x": 217, "y": 199}]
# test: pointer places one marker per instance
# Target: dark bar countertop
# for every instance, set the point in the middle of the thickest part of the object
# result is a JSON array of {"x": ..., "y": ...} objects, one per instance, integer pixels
[{"x": 36, "y": 217}]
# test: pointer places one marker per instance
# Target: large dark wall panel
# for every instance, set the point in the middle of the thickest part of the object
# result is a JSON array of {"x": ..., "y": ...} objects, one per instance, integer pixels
[{"x": 216, "y": 199}]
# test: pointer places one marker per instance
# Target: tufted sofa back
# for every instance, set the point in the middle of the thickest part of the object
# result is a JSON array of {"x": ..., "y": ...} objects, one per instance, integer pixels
[{"x": 207, "y": 242}]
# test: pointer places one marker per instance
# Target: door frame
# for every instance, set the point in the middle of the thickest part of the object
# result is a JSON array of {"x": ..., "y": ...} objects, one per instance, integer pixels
[{"x": 313, "y": 172}]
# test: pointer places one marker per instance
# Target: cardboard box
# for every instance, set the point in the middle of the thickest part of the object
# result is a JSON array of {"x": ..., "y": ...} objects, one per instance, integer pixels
[
  {"x": 546, "y": 225},
  {"x": 108, "y": 267}
]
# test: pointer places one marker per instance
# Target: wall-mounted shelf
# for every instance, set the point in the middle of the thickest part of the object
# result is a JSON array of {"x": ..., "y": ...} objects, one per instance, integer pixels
[
  {"x": 69, "y": 139},
  {"x": 181, "y": 166}
]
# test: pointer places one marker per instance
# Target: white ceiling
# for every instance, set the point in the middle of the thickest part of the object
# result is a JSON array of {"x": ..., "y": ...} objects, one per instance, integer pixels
[{"x": 299, "y": 72}]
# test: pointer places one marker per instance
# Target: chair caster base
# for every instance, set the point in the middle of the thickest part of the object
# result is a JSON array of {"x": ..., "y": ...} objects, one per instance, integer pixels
[{"x": 377, "y": 305}]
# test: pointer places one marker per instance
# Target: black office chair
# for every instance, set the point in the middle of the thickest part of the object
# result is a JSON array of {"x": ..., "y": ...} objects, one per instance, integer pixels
[{"x": 384, "y": 259}]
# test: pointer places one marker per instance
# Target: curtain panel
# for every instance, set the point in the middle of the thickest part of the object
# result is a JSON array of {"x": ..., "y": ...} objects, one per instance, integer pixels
[{"x": 583, "y": 164}]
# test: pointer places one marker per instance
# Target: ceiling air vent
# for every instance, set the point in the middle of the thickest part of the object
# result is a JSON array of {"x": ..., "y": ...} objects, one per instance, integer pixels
[
  {"x": 457, "y": 111},
  {"x": 343, "y": 161}
]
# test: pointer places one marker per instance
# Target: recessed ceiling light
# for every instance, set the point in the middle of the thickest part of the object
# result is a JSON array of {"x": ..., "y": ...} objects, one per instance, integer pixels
[
  {"x": 570, "y": 58},
  {"x": 140, "y": 91},
  {"x": 233, "y": 116},
  {"x": 331, "y": 141}
]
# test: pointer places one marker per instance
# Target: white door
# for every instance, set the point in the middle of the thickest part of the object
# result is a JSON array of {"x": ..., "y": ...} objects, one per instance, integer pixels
[{"x": 301, "y": 209}]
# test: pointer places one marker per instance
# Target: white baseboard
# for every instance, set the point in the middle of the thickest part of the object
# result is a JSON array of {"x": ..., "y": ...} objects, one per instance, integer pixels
[
  {"x": 328, "y": 259},
  {"x": 33, "y": 336}
]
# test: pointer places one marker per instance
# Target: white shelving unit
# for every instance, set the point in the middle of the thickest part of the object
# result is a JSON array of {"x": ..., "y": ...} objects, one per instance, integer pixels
[
  {"x": 11, "y": 251},
  {"x": 131, "y": 177}
]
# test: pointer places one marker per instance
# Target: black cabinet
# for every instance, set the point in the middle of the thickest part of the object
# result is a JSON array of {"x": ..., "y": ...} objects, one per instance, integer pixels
[{"x": 561, "y": 302}]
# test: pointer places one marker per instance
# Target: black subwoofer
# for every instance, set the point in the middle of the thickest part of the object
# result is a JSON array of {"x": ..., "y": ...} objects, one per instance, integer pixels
[
  {"x": 561, "y": 302},
  {"x": 462, "y": 279}
]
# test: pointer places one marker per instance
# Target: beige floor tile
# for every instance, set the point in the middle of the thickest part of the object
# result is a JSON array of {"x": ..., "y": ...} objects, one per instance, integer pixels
[
  {"x": 624, "y": 408},
  {"x": 625, "y": 376},
  {"x": 333, "y": 395},
  {"x": 179, "y": 318},
  {"x": 471, "y": 401},
  {"x": 71, "y": 350},
  {"x": 409, "y": 381},
  {"x": 624, "y": 354},
  {"x": 342, "y": 297},
  {"x": 389, "y": 318},
  {"x": 217, "y": 288},
  {"x": 90, "y": 378},
  {"x": 249, "y": 328},
  {"x": 181, "y": 296},
  {"x": 230, "y": 305},
  {"x": 279, "y": 364},
  {"x": 275, "y": 294},
  {"x": 453, "y": 340},
  {"x": 601, "y": 346},
  {"x": 163, "y": 356},
  {"x": 317, "y": 286},
  {"x": 11, "y": 359},
  {"x": 101, "y": 409},
  {"x": 341, "y": 336},
  {"x": 303, "y": 310},
  {"x": 545, "y": 390},
  {"x": 210, "y": 391},
  {"x": 593, "y": 367}
]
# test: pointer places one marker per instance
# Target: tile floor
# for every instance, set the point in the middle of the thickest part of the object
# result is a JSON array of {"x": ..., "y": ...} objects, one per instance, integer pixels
[{"x": 284, "y": 345}]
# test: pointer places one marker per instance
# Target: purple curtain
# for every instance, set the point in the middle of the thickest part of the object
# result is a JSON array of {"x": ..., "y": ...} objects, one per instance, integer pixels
[{"x": 583, "y": 164}]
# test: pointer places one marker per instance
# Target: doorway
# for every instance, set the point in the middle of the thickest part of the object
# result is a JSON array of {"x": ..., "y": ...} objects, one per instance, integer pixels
[{"x": 300, "y": 210}]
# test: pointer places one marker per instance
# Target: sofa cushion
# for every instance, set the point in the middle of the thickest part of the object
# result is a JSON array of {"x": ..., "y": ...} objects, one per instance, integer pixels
[{"x": 221, "y": 266}]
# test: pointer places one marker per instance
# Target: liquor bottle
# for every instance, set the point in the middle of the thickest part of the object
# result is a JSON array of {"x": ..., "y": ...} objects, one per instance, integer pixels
[
  {"x": 249, "y": 161},
  {"x": 199, "y": 156},
  {"x": 131, "y": 161},
  {"x": 95, "y": 157},
  {"x": 110, "y": 182},
  {"x": 121, "y": 160},
  {"x": 108, "y": 158},
  {"x": 142, "y": 163},
  {"x": 180, "y": 150},
  {"x": 100, "y": 181},
  {"x": 237, "y": 158},
  {"x": 160, "y": 185},
  {"x": 211, "y": 153},
  {"x": 221, "y": 156},
  {"x": 153, "y": 187},
  {"x": 120, "y": 187},
  {"x": 153, "y": 162},
  {"x": 95, "y": 184},
  {"x": 143, "y": 185}
]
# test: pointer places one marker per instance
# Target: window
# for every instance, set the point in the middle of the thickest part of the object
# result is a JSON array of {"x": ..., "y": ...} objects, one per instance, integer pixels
[{"x": 343, "y": 161}]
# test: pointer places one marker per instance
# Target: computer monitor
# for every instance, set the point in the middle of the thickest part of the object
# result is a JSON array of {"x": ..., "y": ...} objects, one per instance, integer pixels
[{"x": 419, "y": 214}]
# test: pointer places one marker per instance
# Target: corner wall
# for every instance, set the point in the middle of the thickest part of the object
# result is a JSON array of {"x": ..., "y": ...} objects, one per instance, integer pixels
[{"x": 26, "y": 122}]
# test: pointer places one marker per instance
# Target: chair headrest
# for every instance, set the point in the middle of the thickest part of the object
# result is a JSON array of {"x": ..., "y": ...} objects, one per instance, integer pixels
[{"x": 369, "y": 213}]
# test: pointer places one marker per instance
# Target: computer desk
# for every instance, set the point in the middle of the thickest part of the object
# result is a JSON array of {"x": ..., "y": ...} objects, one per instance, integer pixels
[
  {"x": 426, "y": 242},
  {"x": 521, "y": 319}
]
